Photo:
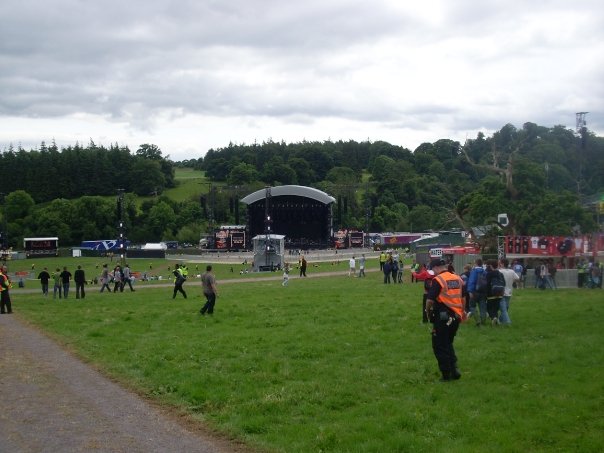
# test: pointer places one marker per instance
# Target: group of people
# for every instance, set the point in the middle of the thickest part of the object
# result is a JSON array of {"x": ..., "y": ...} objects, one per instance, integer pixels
[
  {"x": 489, "y": 291},
  {"x": 589, "y": 274},
  {"x": 545, "y": 275},
  {"x": 352, "y": 266},
  {"x": 62, "y": 282},
  {"x": 391, "y": 264},
  {"x": 119, "y": 276}
]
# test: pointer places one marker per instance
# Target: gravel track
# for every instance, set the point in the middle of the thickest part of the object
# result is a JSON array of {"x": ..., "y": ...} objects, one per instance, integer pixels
[{"x": 50, "y": 401}]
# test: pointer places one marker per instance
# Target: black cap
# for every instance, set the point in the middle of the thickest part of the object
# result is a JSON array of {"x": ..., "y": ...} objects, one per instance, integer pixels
[{"x": 437, "y": 262}]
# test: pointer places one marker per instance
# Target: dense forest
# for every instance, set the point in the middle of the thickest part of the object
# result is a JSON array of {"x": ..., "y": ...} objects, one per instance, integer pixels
[{"x": 543, "y": 178}]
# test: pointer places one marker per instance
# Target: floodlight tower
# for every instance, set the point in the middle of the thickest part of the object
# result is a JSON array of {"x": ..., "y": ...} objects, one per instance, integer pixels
[
  {"x": 268, "y": 246},
  {"x": 581, "y": 129},
  {"x": 121, "y": 227}
]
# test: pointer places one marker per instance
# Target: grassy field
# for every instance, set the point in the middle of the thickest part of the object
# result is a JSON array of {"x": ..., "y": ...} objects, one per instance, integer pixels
[
  {"x": 343, "y": 364},
  {"x": 153, "y": 267},
  {"x": 189, "y": 184}
]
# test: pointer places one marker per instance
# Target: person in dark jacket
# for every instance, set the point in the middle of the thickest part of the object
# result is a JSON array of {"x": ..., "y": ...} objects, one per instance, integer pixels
[
  {"x": 493, "y": 298},
  {"x": 80, "y": 280},
  {"x": 179, "y": 280},
  {"x": 387, "y": 269},
  {"x": 44, "y": 278},
  {"x": 65, "y": 280}
]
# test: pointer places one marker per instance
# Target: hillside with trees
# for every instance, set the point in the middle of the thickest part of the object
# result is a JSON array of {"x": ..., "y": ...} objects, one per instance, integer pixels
[{"x": 543, "y": 178}]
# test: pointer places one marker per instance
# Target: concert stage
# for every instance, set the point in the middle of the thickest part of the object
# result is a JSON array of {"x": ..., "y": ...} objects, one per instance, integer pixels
[{"x": 302, "y": 214}]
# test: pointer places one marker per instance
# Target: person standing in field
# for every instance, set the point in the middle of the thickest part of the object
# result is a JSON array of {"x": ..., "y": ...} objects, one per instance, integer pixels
[
  {"x": 105, "y": 278},
  {"x": 210, "y": 291},
  {"x": 179, "y": 280},
  {"x": 362, "y": 265},
  {"x": 65, "y": 280},
  {"x": 285, "y": 276},
  {"x": 44, "y": 278},
  {"x": 401, "y": 265},
  {"x": 478, "y": 293},
  {"x": 495, "y": 290},
  {"x": 303, "y": 267},
  {"x": 465, "y": 276},
  {"x": 394, "y": 269},
  {"x": 352, "y": 267},
  {"x": 387, "y": 269},
  {"x": 5, "y": 286},
  {"x": 445, "y": 309},
  {"x": 80, "y": 280},
  {"x": 117, "y": 279},
  {"x": 127, "y": 277},
  {"x": 511, "y": 277},
  {"x": 383, "y": 258},
  {"x": 519, "y": 269},
  {"x": 56, "y": 277}
]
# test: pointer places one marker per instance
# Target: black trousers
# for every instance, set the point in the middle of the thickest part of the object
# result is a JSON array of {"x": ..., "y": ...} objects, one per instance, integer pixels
[
  {"x": 443, "y": 334},
  {"x": 209, "y": 305},
  {"x": 178, "y": 288},
  {"x": 5, "y": 303},
  {"x": 493, "y": 307},
  {"x": 80, "y": 293}
]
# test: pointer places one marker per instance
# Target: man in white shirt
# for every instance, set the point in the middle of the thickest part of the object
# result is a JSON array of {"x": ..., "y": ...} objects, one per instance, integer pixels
[
  {"x": 510, "y": 277},
  {"x": 519, "y": 269},
  {"x": 352, "y": 267}
]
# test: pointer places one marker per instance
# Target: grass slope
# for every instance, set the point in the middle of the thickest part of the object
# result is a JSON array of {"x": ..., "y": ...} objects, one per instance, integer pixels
[{"x": 344, "y": 364}]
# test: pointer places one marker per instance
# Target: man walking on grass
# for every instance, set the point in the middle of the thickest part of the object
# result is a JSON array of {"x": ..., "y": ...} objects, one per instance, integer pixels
[
  {"x": 80, "y": 280},
  {"x": 179, "y": 280},
  {"x": 352, "y": 267},
  {"x": 210, "y": 291}
]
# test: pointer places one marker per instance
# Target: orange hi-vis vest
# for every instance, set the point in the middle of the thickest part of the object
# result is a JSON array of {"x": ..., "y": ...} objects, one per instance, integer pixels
[{"x": 450, "y": 293}]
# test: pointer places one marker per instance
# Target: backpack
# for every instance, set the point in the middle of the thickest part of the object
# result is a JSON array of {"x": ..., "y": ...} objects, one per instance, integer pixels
[
  {"x": 481, "y": 282},
  {"x": 497, "y": 284}
]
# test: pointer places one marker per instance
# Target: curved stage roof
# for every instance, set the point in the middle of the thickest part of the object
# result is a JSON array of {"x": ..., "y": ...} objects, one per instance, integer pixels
[{"x": 299, "y": 191}]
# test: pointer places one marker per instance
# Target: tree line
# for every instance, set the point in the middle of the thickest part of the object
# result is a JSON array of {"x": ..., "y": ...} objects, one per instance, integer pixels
[
  {"x": 74, "y": 171},
  {"x": 540, "y": 176}
]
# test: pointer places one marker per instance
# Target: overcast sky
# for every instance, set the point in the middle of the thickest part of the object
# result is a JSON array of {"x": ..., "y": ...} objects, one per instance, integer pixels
[{"x": 191, "y": 75}]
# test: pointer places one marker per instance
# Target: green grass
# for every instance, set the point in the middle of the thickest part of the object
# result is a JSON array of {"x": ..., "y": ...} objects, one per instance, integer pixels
[
  {"x": 343, "y": 364},
  {"x": 189, "y": 184}
]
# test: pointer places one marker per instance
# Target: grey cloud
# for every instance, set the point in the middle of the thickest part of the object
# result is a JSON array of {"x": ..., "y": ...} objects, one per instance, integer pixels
[
  {"x": 133, "y": 61},
  {"x": 72, "y": 53}
]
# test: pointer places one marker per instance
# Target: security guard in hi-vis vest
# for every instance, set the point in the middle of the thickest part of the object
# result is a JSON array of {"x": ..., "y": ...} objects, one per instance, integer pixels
[{"x": 445, "y": 309}]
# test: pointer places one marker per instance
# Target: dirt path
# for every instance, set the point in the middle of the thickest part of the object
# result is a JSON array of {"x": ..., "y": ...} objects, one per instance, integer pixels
[{"x": 52, "y": 402}]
